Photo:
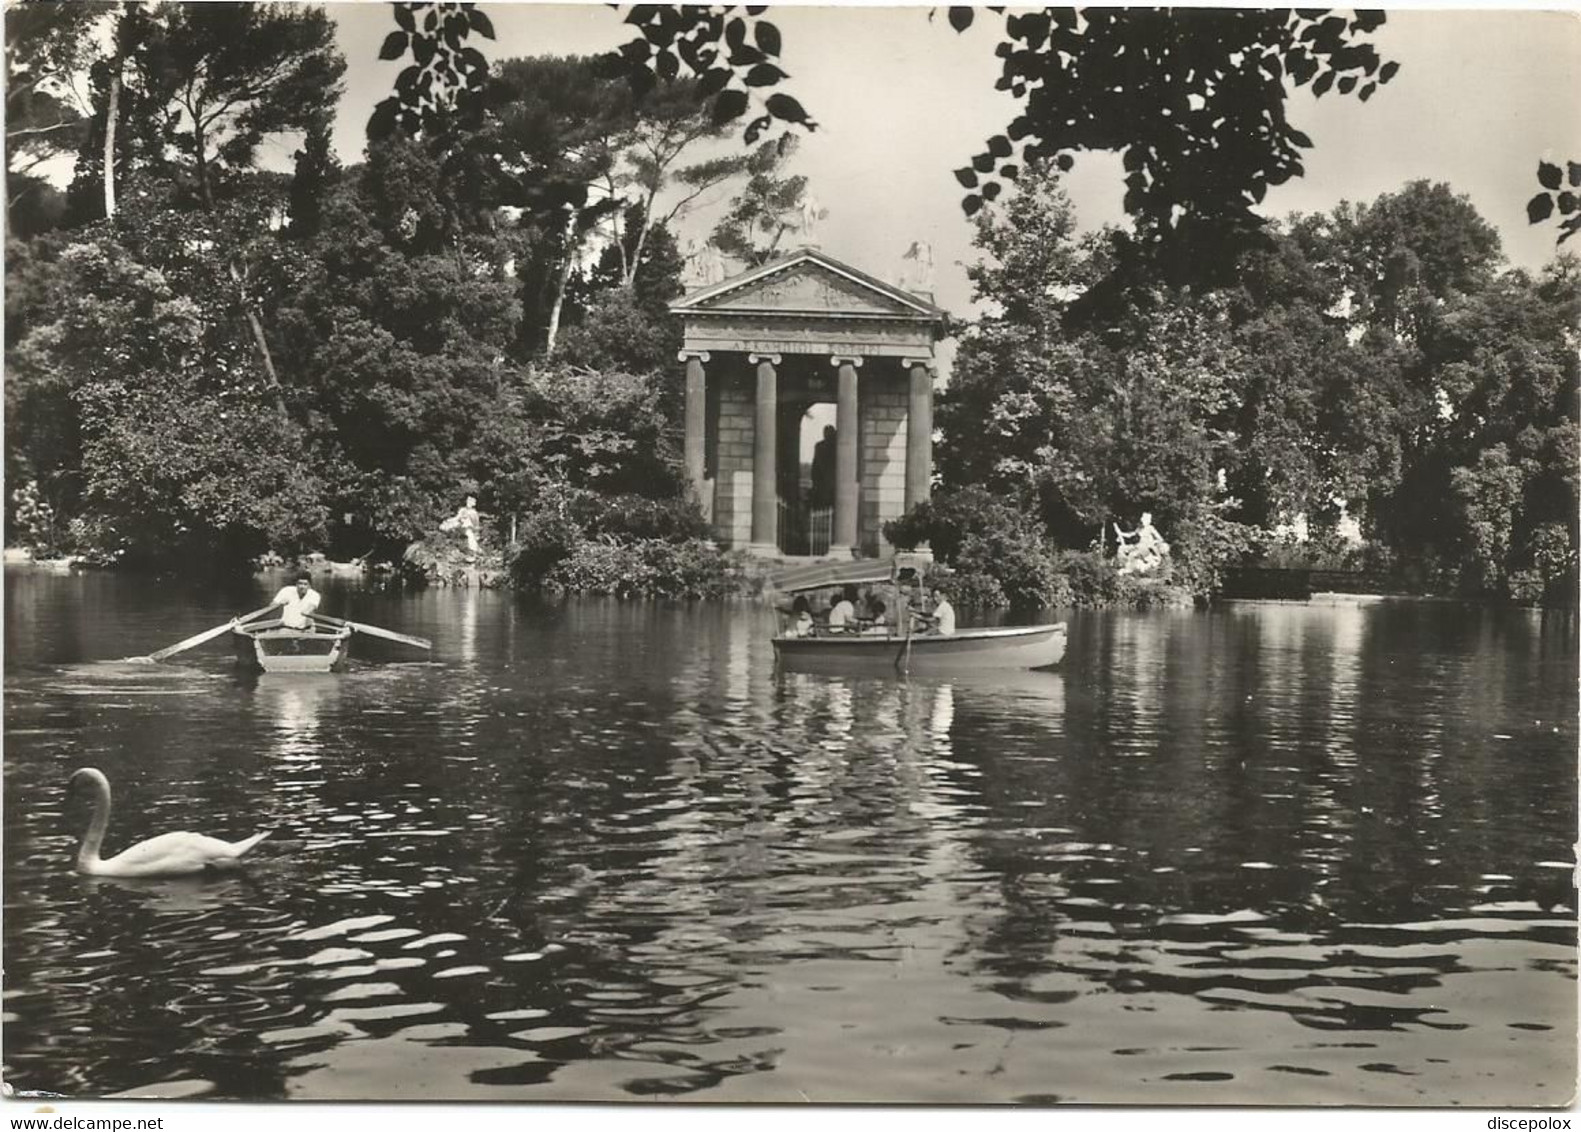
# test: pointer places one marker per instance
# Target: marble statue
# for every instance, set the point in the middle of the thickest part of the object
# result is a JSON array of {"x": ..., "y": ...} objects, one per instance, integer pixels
[
  {"x": 918, "y": 272},
  {"x": 1143, "y": 550}
]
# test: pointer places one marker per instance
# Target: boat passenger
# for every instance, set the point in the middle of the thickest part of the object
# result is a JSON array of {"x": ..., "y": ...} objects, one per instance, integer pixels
[
  {"x": 943, "y": 616},
  {"x": 842, "y": 615},
  {"x": 879, "y": 626},
  {"x": 801, "y": 624},
  {"x": 299, "y": 600}
]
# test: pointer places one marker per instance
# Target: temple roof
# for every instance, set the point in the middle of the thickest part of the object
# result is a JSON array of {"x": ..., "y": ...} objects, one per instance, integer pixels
[{"x": 807, "y": 282}]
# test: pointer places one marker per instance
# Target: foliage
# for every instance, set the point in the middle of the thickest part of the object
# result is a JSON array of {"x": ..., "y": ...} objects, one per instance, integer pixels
[
  {"x": 1202, "y": 550},
  {"x": 731, "y": 50},
  {"x": 629, "y": 516},
  {"x": 1194, "y": 102},
  {"x": 646, "y": 567},
  {"x": 1558, "y": 196},
  {"x": 768, "y": 206},
  {"x": 181, "y": 451},
  {"x": 982, "y": 537},
  {"x": 48, "y": 44},
  {"x": 446, "y": 79},
  {"x": 230, "y": 75},
  {"x": 35, "y": 521}
]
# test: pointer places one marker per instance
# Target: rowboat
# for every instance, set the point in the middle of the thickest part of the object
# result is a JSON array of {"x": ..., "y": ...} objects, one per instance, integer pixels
[
  {"x": 324, "y": 645},
  {"x": 275, "y": 647},
  {"x": 1029, "y": 646}
]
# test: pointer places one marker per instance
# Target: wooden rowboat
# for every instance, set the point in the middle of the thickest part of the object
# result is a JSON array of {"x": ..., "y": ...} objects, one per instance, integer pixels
[
  {"x": 1031, "y": 646},
  {"x": 274, "y": 647}
]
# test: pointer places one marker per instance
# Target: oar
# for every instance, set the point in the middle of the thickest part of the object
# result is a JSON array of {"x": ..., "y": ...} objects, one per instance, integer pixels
[
  {"x": 201, "y": 638},
  {"x": 375, "y": 631}
]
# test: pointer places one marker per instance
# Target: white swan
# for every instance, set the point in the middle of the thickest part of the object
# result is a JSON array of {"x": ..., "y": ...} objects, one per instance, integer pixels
[{"x": 169, "y": 854}]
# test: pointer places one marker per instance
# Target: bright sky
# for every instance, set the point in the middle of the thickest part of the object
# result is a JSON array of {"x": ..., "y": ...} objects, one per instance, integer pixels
[{"x": 902, "y": 101}]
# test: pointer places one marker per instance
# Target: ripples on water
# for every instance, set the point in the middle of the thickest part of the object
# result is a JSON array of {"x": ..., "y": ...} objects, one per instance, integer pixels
[{"x": 603, "y": 851}]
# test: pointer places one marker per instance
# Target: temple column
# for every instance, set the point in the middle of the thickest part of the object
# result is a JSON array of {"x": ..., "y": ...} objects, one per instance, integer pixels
[
  {"x": 919, "y": 433},
  {"x": 765, "y": 463},
  {"x": 847, "y": 493},
  {"x": 696, "y": 424},
  {"x": 919, "y": 437}
]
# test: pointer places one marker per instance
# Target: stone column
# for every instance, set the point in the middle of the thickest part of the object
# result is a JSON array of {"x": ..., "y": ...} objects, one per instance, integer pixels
[
  {"x": 696, "y": 423},
  {"x": 847, "y": 497},
  {"x": 919, "y": 432},
  {"x": 919, "y": 438},
  {"x": 765, "y": 463}
]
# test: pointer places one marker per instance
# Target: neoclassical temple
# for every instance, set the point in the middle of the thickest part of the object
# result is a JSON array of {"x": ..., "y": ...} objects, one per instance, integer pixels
[{"x": 775, "y": 358}]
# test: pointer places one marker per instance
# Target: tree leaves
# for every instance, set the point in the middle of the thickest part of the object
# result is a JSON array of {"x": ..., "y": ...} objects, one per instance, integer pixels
[
  {"x": 730, "y": 105},
  {"x": 764, "y": 74},
  {"x": 480, "y": 23},
  {"x": 787, "y": 109},
  {"x": 961, "y": 17},
  {"x": 1542, "y": 206},
  {"x": 449, "y": 75},
  {"x": 768, "y": 37},
  {"x": 394, "y": 45},
  {"x": 729, "y": 48},
  {"x": 1196, "y": 100}
]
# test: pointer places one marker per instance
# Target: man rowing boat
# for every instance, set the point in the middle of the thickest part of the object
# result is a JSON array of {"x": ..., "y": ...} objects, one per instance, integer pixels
[{"x": 299, "y": 600}]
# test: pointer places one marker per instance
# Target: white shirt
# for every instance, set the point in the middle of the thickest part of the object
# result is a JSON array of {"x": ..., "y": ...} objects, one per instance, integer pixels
[
  {"x": 297, "y": 606},
  {"x": 944, "y": 618},
  {"x": 842, "y": 612}
]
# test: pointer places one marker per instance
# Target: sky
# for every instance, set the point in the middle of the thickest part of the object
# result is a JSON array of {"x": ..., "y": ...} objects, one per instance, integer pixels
[{"x": 901, "y": 101}]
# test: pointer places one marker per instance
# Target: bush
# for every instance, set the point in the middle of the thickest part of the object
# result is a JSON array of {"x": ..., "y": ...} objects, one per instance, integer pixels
[
  {"x": 544, "y": 539},
  {"x": 628, "y": 516},
  {"x": 649, "y": 568},
  {"x": 1205, "y": 547},
  {"x": 1000, "y": 554}
]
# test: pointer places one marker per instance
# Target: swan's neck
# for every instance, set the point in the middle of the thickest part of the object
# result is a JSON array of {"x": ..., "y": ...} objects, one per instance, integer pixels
[{"x": 88, "y": 855}]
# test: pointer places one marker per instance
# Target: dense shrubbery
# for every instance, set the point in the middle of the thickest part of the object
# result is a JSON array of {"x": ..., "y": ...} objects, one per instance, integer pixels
[
  {"x": 625, "y": 545},
  {"x": 630, "y": 516},
  {"x": 649, "y": 567}
]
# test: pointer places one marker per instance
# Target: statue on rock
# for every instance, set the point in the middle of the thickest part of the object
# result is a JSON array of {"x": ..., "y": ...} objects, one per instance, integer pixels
[{"x": 1142, "y": 551}]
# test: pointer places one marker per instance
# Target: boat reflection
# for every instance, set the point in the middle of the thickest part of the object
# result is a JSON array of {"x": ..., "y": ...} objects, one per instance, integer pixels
[{"x": 296, "y": 704}]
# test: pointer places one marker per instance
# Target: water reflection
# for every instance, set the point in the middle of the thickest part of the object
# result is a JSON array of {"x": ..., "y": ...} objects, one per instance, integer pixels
[{"x": 609, "y": 851}]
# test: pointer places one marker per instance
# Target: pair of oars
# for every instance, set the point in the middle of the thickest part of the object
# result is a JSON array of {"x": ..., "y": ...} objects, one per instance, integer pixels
[{"x": 218, "y": 630}]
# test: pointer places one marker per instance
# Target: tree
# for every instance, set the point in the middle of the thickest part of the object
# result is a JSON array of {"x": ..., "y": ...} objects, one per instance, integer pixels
[
  {"x": 1084, "y": 422},
  {"x": 48, "y": 50},
  {"x": 768, "y": 206},
  {"x": 672, "y": 121},
  {"x": 396, "y": 330},
  {"x": 229, "y": 75},
  {"x": 317, "y": 170},
  {"x": 179, "y": 449},
  {"x": 562, "y": 129}
]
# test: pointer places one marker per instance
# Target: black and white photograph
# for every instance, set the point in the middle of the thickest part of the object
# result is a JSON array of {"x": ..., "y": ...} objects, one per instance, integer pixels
[{"x": 808, "y": 555}]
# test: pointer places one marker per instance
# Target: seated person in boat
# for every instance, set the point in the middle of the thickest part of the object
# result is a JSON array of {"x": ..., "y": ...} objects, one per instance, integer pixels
[
  {"x": 801, "y": 623},
  {"x": 878, "y": 621},
  {"x": 942, "y": 620},
  {"x": 842, "y": 615},
  {"x": 299, "y": 600}
]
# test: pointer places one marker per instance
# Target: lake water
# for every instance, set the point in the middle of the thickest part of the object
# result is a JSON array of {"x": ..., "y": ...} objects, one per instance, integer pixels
[{"x": 604, "y": 851}]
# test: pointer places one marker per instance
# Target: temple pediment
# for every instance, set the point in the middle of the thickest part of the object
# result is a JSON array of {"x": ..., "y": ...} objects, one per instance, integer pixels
[{"x": 807, "y": 284}]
